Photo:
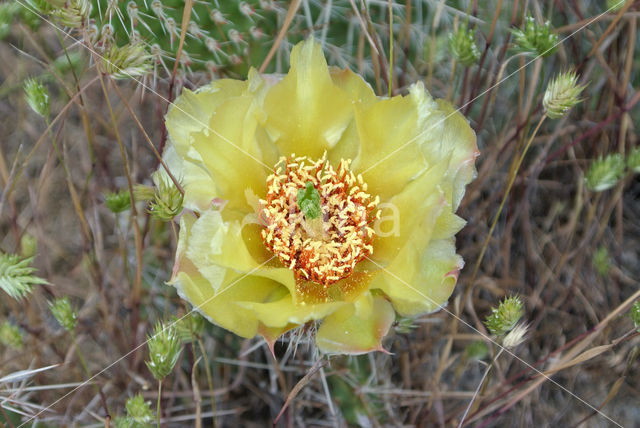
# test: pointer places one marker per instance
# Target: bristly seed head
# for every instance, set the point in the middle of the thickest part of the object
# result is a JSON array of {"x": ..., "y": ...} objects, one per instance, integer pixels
[{"x": 317, "y": 219}]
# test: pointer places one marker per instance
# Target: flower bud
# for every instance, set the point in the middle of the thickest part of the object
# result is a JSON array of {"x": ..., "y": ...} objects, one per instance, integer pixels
[
  {"x": 605, "y": 172},
  {"x": 562, "y": 93}
]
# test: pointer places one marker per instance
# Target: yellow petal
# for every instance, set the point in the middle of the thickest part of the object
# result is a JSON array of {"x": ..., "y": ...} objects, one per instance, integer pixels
[
  {"x": 359, "y": 92},
  {"x": 306, "y": 113},
  {"x": 411, "y": 213},
  {"x": 230, "y": 153},
  {"x": 283, "y": 312},
  {"x": 421, "y": 279},
  {"x": 215, "y": 245},
  {"x": 191, "y": 111},
  {"x": 459, "y": 141},
  {"x": 347, "y": 289},
  {"x": 213, "y": 132},
  {"x": 384, "y": 127},
  {"x": 213, "y": 271},
  {"x": 195, "y": 180},
  {"x": 222, "y": 307},
  {"x": 356, "y": 88},
  {"x": 356, "y": 328}
]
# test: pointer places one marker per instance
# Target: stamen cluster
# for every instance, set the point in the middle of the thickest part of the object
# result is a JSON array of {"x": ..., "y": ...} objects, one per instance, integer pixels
[{"x": 325, "y": 249}]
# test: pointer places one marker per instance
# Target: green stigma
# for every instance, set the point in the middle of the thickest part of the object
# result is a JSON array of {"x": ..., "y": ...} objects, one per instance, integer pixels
[{"x": 309, "y": 201}]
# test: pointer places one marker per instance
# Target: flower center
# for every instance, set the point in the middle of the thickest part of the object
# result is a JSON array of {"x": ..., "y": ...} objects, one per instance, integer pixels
[{"x": 317, "y": 219}]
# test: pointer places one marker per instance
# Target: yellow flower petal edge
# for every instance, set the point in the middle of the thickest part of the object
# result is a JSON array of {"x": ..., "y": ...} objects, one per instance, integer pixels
[{"x": 386, "y": 174}]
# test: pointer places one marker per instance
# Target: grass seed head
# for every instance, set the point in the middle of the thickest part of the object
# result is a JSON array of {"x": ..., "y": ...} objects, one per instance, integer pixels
[
  {"x": 65, "y": 314},
  {"x": 128, "y": 61},
  {"x": 535, "y": 39},
  {"x": 16, "y": 276},
  {"x": 167, "y": 200},
  {"x": 164, "y": 350},
  {"x": 71, "y": 13},
  {"x": 118, "y": 202},
  {"x": 602, "y": 261},
  {"x": 10, "y": 335},
  {"x": 505, "y": 316},
  {"x": 516, "y": 336},
  {"x": 604, "y": 173},
  {"x": 562, "y": 94},
  {"x": 462, "y": 45},
  {"x": 633, "y": 160},
  {"x": 37, "y": 96}
]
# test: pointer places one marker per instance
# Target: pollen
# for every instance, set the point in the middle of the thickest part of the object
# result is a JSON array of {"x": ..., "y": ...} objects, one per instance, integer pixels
[{"x": 327, "y": 248}]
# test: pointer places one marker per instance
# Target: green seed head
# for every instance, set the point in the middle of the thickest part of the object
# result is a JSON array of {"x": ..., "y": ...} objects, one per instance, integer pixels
[
  {"x": 633, "y": 160},
  {"x": 71, "y": 13},
  {"x": 45, "y": 7},
  {"x": 37, "y": 97},
  {"x": 118, "y": 202},
  {"x": 462, "y": 45},
  {"x": 10, "y": 335},
  {"x": 604, "y": 173},
  {"x": 16, "y": 275},
  {"x": 505, "y": 317},
  {"x": 64, "y": 313},
  {"x": 405, "y": 325},
  {"x": 516, "y": 336},
  {"x": 602, "y": 261},
  {"x": 562, "y": 94},
  {"x": 189, "y": 327},
  {"x": 128, "y": 61},
  {"x": 28, "y": 245},
  {"x": 164, "y": 350},
  {"x": 477, "y": 350},
  {"x": 7, "y": 12},
  {"x": 167, "y": 199},
  {"x": 139, "y": 411},
  {"x": 535, "y": 39}
]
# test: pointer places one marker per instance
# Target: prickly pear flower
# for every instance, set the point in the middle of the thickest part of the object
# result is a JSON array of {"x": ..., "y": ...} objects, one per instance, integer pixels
[{"x": 310, "y": 200}]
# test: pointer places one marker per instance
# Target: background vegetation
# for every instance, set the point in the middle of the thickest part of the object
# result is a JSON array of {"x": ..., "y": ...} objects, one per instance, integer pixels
[{"x": 83, "y": 271}]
